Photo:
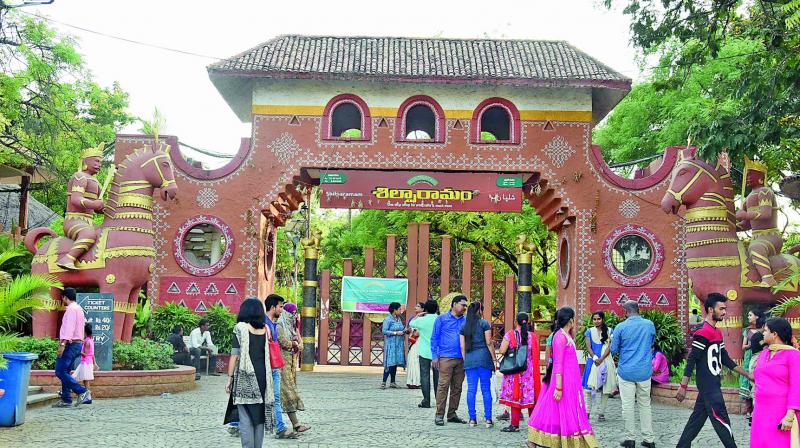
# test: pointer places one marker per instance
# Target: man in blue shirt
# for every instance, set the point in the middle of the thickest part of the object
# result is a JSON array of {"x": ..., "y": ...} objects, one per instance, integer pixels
[
  {"x": 633, "y": 340},
  {"x": 446, "y": 351}
]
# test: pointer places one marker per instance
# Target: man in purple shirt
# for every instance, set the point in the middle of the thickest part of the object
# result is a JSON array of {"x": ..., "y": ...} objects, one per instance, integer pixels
[
  {"x": 446, "y": 351},
  {"x": 69, "y": 348}
]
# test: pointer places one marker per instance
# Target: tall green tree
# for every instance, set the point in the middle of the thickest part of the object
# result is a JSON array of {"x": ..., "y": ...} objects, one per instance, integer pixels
[{"x": 50, "y": 109}]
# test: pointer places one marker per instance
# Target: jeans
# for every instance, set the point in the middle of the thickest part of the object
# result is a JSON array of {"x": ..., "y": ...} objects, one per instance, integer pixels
[
  {"x": 252, "y": 434},
  {"x": 389, "y": 371},
  {"x": 630, "y": 393},
  {"x": 276, "y": 386},
  {"x": 425, "y": 380},
  {"x": 484, "y": 376},
  {"x": 63, "y": 365}
]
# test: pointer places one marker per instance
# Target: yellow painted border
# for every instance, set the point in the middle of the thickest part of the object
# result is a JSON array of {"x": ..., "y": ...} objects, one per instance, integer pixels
[{"x": 525, "y": 115}]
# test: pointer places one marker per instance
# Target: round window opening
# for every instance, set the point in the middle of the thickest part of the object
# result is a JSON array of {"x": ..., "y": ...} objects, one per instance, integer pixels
[
  {"x": 203, "y": 245},
  {"x": 632, "y": 255},
  {"x": 563, "y": 262}
]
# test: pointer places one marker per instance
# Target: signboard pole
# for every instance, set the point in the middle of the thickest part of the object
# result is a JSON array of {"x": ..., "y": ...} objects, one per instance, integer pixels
[{"x": 99, "y": 311}]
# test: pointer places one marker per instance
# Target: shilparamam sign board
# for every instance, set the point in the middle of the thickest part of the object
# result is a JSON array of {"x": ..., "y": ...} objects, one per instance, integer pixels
[
  {"x": 99, "y": 311},
  {"x": 414, "y": 190},
  {"x": 372, "y": 295}
]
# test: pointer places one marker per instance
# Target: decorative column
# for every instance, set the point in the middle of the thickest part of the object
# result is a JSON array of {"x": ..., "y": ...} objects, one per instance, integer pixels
[
  {"x": 525, "y": 274},
  {"x": 311, "y": 247}
]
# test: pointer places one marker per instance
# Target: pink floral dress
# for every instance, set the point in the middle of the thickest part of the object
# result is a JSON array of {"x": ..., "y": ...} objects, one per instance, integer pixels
[{"x": 521, "y": 389}]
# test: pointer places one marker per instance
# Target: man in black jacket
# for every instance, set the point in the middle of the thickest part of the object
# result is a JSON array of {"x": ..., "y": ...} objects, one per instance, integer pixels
[{"x": 180, "y": 352}]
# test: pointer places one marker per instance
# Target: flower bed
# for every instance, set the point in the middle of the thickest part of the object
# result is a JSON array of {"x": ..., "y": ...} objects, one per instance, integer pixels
[
  {"x": 665, "y": 393},
  {"x": 126, "y": 383}
]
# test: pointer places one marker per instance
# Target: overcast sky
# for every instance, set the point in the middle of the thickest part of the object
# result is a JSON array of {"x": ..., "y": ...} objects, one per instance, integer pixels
[{"x": 178, "y": 84}]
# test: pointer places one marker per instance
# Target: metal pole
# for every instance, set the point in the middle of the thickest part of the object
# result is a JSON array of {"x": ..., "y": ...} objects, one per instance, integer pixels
[
  {"x": 311, "y": 248},
  {"x": 525, "y": 275}
]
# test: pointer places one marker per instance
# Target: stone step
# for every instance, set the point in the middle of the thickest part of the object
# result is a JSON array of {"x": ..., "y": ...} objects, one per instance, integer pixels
[
  {"x": 41, "y": 399},
  {"x": 33, "y": 390}
]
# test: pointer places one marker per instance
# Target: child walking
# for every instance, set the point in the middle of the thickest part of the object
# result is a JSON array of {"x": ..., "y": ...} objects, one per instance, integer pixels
[{"x": 85, "y": 370}]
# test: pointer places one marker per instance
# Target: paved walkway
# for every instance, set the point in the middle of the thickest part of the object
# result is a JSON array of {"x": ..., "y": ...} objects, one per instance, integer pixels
[{"x": 344, "y": 410}]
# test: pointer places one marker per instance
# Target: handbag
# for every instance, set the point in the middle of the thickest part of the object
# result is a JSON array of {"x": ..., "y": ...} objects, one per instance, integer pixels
[
  {"x": 516, "y": 358},
  {"x": 275, "y": 358}
]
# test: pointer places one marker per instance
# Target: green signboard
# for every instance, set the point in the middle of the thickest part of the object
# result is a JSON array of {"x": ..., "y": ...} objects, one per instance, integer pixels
[
  {"x": 509, "y": 181},
  {"x": 372, "y": 295},
  {"x": 332, "y": 178}
]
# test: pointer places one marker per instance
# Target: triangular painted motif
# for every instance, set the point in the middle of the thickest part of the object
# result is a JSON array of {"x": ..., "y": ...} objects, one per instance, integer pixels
[
  {"x": 662, "y": 300},
  {"x": 457, "y": 125},
  {"x": 231, "y": 289},
  {"x": 220, "y": 303},
  {"x": 604, "y": 300},
  {"x": 182, "y": 303},
  {"x": 193, "y": 289},
  {"x": 548, "y": 126},
  {"x": 294, "y": 121},
  {"x": 200, "y": 308},
  {"x": 644, "y": 299},
  {"x": 383, "y": 123},
  {"x": 173, "y": 288},
  {"x": 211, "y": 289},
  {"x": 623, "y": 298}
]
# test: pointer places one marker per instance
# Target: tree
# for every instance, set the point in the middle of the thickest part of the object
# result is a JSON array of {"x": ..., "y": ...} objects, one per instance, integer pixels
[
  {"x": 49, "y": 107},
  {"x": 728, "y": 77}
]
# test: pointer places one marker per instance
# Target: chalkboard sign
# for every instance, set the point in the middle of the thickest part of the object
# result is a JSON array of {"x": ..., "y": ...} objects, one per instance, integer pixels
[{"x": 99, "y": 311}]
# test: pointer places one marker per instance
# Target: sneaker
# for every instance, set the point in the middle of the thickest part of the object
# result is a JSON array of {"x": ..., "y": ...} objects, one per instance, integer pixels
[
  {"x": 87, "y": 401},
  {"x": 489, "y": 424},
  {"x": 439, "y": 421},
  {"x": 62, "y": 404},
  {"x": 82, "y": 397},
  {"x": 456, "y": 419},
  {"x": 393, "y": 386},
  {"x": 473, "y": 423},
  {"x": 383, "y": 385}
]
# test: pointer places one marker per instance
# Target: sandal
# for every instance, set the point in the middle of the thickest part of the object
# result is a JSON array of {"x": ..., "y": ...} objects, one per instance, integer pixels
[
  {"x": 383, "y": 385},
  {"x": 473, "y": 423},
  {"x": 301, "y": 428},
  {"x": 489, "y": 424},
  {"x": 286, "y": 435},
  {"x": 510, "y": 428},
  {"x": 601, "y": 418}
]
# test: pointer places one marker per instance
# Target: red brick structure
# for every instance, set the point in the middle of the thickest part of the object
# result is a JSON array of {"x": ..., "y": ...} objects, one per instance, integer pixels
[{"x": 538, "y": 100}]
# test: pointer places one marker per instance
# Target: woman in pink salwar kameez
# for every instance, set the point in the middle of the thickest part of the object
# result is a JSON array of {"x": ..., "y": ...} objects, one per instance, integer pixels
[
  {"x": 559, "y": 419},
  {"x": 777, "y": 397}
]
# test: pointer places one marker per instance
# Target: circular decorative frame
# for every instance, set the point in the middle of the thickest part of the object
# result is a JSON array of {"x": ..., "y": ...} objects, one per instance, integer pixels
[
  {"x": 178, "y": 245},
  {"x": 563, "y": 251},
  {"x": 655, "y": 265}
]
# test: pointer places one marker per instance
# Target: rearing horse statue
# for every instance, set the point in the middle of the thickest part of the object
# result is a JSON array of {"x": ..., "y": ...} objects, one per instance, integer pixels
[
  {"x": 717, "y": 260},
  {"x": 121, "y": 260}
]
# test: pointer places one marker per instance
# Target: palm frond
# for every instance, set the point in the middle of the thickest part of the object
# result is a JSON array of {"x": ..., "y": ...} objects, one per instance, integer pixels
[
  {"x": 793, "y": 9},
  {"x": 9, "y": 254},
  {"x": 784, "y": 306},
  {"x": 8, "y": 343},
  {"x": 25, "y": 291}
]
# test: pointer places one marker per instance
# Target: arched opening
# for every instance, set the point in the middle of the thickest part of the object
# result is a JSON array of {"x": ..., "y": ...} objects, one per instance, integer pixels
[
  {"x": 496, "y": 121},
  {"x": 420, "y": 123},
  {"x": 346, "y": 121},
  {"x": 495, "y": 124}
]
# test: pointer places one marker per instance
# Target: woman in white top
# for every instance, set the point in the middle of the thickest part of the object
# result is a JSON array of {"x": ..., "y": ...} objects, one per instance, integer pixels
[{"x": 598, "y": 380}]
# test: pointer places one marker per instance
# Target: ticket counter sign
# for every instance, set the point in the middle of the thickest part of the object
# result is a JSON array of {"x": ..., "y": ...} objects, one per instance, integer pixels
[{"x": 429, "y": 191}]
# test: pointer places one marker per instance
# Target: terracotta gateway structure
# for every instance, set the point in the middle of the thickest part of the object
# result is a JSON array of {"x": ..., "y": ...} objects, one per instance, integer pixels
[{"x": 364, "y": 108}]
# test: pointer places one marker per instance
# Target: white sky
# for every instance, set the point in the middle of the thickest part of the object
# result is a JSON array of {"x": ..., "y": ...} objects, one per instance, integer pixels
[{"x": 179, "y": 86}]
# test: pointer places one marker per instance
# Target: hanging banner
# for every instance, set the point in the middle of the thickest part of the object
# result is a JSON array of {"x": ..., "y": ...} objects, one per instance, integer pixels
[
  {"x": 372, "y": 295},
  {"x": 414, "y": 190}
]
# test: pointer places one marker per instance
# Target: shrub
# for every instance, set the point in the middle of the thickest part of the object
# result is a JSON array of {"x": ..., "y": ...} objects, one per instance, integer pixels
[
  {"x": 167, "y": 316},
  {"x": 221, "y": 322},
  {"x": 611, "y": 320},
  {"x": 142, "y": 354},
  {"x": 46, "y": 348}
]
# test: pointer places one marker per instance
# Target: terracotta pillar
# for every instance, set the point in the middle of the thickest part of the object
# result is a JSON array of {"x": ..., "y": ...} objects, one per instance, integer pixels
[
  {"x": 347, "y": 270},
  {"x": 391, "y": 253},
  {"x": 488, "y": 273},
  {"x": 444, "y": 288},
  {"x": 509, "y": 316},
  {"x": 412, "y": 260},
  {"x": 324, "y": 308},
  {"x": 423, "y": 267},
  {"x": 366, "y": 324},
  {"x": 466, "y": 271}
]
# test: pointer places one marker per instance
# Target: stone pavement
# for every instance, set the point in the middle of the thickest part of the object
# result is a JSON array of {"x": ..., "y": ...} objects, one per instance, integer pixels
[{"x": 343, "y": 409}]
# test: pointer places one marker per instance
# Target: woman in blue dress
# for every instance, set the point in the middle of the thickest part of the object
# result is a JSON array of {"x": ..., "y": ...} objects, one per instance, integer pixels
[
  {"x": 598, "y": 341},
  {"x": 394, "y": 355}
]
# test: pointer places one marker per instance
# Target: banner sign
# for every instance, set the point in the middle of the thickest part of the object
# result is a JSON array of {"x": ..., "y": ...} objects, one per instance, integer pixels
[
  {"x": 372, "y": 295},
  {"x": 200, "y": 293},
  {"x": 612, "y": 298},
  {"x": 99, "y": 311},
  {"x": 414, "y": 190}
]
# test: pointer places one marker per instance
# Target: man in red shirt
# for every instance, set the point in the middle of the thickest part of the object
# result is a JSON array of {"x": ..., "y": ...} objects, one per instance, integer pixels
[{"x": 69, "y": 348}]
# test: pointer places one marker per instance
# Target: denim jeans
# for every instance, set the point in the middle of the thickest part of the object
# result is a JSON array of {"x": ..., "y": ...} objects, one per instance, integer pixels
[
  {"x": 63, "y": 365},
  {"x": 276, "y": 386},
  {"x": 484, "y": 376}
]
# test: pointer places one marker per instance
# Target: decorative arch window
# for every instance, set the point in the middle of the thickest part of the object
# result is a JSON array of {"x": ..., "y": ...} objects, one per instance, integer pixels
[
  {"x": 420, "y": 118},
  {"x": 496, "y": 121},
  {"x": 346, "y": 117}
]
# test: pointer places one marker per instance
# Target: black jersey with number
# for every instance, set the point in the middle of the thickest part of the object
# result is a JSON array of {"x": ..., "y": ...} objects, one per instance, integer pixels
[{"x": 709, "y": 355}]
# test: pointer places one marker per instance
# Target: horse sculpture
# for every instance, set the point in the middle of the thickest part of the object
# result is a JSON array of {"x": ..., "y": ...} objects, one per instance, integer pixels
[
  {"x": 717, "y": 260},
  {"x": 121, "y": 260}
]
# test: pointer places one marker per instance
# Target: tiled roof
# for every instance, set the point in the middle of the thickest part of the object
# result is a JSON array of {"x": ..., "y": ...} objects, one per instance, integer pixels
[{"x": 524, "y": 61}]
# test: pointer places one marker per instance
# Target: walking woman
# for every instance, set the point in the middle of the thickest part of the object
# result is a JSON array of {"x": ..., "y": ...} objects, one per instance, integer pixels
[
  {"x": 756, "y": 319},
  {"x": 777, "y": 377},
  {"x": 413, "y": 377},
  {"x": 520, "y": 390},
  {"x": 289, "y": 341},
  {"x": 393, "y": 345},
  {"x": 600, "y": 374},
  {"x": 559, "y": 419},
  {"x": 247, "y": 376},
  {"x": 477, "y": 349}
]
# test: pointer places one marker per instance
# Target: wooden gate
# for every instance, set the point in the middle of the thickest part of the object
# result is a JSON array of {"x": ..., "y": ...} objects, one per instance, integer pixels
[{"x": 434, "y": 267}]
